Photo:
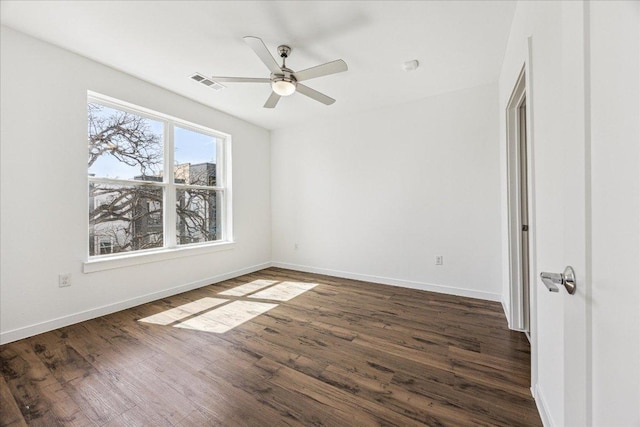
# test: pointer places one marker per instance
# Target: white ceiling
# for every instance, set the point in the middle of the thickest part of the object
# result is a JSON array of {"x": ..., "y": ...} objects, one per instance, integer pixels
[{"x": 459, "y": 44}]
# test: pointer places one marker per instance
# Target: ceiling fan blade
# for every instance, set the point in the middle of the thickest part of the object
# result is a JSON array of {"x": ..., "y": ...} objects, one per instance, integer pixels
[
  {"x": 240, "y": 79},
  {"x": 332, "y": 67},
  {"x": 314, "y": 94},
  {"x": 261, "y": 50},
  {"x": 272, "y": 101}
]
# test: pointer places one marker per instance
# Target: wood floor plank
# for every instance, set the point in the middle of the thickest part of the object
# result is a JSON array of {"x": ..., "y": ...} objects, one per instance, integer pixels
[
  {"x": 10, "y": 414},
  {"x": 99, "y": 399},
  {"x": 20, "y": 361},
  {"x": 134, "y": 417},
  {"x": 36, "y": 392},
  {"x": 343, "y": 353},
  {"x": 64, "y": 408},
  {"x": 224, "y": 396},
  {"x": 139, "y": 381}
]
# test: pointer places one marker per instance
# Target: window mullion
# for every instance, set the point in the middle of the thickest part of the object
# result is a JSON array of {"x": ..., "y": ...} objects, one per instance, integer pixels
[
  {"x": 227, "y": 195},
  {"x": 170, "y": 239},
  {"x": 222, "y": 181}
]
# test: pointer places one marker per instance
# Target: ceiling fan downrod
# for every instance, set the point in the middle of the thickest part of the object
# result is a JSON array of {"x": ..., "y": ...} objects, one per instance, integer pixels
[{"x": 284, "y": 51}]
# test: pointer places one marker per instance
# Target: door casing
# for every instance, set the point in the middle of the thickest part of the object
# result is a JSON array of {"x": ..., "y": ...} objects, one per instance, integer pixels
[{"x": 519, "y": 183}]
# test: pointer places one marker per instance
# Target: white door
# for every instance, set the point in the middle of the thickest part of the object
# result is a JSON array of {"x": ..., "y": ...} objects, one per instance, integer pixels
[
  {"x": 583, "y": 103},
  {"x": 575, "y": 199},
  {"x": 562, "y": 148}
]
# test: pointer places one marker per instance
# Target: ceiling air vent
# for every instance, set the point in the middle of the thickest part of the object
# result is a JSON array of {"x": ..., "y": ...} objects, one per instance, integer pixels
[{"x": 207, "y": 82}]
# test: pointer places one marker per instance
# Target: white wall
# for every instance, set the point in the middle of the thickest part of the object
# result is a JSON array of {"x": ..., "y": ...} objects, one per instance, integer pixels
[
  {"x": 607, "y": 33},
  {"x": 377, "y": 195},
  {"x": 44, "y": 192}
]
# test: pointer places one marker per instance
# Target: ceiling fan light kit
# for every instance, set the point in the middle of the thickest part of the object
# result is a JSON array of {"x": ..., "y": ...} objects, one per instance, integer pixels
[
  {"x": 283, "y": 87},
  {"x": 284, "y": 81}
]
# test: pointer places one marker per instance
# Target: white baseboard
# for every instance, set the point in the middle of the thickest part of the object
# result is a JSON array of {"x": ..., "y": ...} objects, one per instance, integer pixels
[
  {"x": 38, "y": 328},
  {"x": 542, "y": 406},
  {"x": 463, "y": 292},
  {"x": 49, "y": 325}
]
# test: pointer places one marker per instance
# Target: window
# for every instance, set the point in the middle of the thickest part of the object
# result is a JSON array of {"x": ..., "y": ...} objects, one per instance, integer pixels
[
  {"x": 106, "y": 246},
  {"x": 154, "y": 181}
]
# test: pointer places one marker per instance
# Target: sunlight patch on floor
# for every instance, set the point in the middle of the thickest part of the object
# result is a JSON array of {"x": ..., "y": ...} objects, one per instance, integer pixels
[
  {"x": 201, "y": 315},
  {"x": 227, "y": 317},
  {"x": 248, "y": 288},
  {"x": 173, "y": 315},
  {"x": 284, "y": 291}
]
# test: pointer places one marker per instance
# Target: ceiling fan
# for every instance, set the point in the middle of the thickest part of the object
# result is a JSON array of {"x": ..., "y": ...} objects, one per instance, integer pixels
[{"x": 284, "y": 81}]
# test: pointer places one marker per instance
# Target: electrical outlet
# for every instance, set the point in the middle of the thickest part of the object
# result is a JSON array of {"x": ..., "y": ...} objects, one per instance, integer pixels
[
  {"x": 439, "y": 259},
  {"x": 64, "y": 280}
]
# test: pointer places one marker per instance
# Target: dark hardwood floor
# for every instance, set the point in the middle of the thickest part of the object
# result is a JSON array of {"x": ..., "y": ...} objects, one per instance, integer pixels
[{"x": 345, "y": 353}]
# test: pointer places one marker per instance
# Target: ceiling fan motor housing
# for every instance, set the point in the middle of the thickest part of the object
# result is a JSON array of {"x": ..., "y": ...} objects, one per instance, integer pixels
[{"x": 286, "y": 75}]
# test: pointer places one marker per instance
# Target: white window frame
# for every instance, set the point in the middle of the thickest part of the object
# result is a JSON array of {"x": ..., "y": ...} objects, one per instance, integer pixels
[{"x": 171, "y": 249}]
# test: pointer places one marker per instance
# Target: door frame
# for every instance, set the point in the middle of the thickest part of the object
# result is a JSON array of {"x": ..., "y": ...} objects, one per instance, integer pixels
[
  {"x": 522, "y": 88},
  {"x": 517, "y": 298}
]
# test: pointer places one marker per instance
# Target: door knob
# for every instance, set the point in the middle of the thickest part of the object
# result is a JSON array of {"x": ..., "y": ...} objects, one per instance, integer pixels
[{"x": 567, "y": 279}]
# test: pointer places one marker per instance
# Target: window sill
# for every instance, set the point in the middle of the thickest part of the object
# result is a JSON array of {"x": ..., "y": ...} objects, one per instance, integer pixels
[{"x": 128, "y": 260}]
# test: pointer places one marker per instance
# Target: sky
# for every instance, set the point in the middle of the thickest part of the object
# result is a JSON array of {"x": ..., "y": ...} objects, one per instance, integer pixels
[{"x": 190, "y": 147}]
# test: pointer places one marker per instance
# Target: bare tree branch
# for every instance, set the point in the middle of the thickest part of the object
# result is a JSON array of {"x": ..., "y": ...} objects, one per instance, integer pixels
[{"x": 125, "y": 136}]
